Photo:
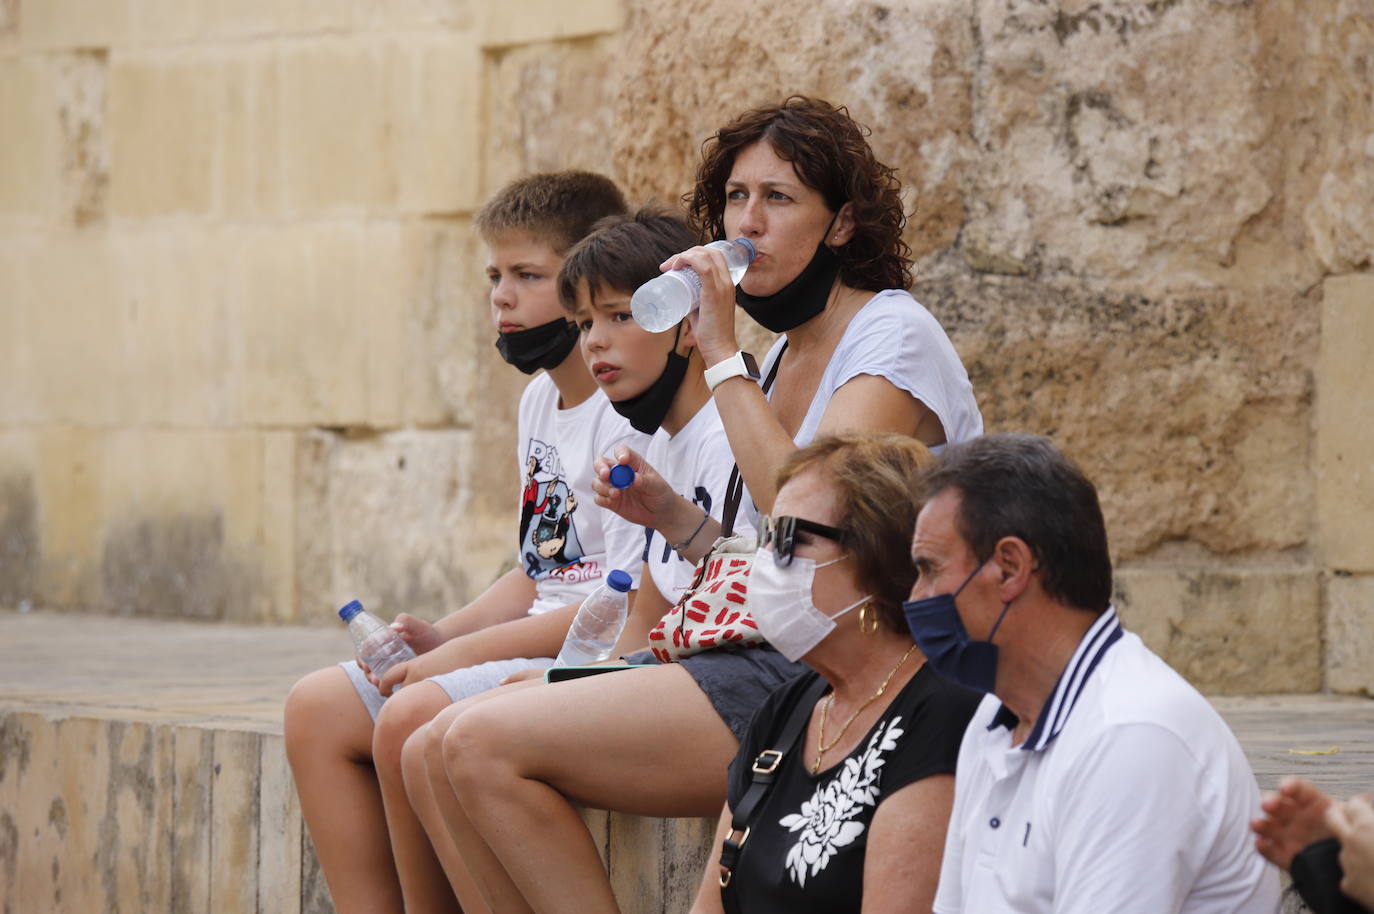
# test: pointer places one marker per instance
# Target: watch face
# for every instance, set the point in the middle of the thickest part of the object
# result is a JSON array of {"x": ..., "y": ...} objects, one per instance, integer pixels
[{"x": 750, "y": 365}]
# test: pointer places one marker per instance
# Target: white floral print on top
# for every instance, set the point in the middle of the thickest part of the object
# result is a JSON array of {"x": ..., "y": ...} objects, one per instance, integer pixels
[{"x": 824, "y": 820}]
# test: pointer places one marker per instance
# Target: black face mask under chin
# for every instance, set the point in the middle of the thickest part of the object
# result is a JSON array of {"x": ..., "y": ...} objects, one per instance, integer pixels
[
  {"x": 545, "y": 346},
  {"x": 798, "y": 301},
  {"x": 647, "y": 410}
]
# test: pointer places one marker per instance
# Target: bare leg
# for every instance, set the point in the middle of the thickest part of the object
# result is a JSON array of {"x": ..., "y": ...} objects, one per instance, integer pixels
[
  {"x": 424, "y": 884},
  {"x": 414, "y": 769},
  {"x": 329, "y": 746},
  {"x": 645, "y": 741},
  {"x": 441, "y": 812}
]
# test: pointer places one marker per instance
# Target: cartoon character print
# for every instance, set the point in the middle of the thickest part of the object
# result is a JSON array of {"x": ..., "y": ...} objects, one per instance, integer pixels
[{"x": 548, "y": 536}]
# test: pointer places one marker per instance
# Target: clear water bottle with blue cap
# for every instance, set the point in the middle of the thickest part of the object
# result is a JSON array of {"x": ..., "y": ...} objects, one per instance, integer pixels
[
  {"x": 598, "y": 624},
  {"x": 378, "y": 645},
  {"x": 662, "y": 302}
]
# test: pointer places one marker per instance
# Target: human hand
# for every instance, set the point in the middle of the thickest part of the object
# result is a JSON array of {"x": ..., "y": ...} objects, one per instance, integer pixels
[
  {"x": 1352, "y": 822},
  {"x": 401, "y": 674},
  {"x": 645, "y": 502},
  {"x": 1294, "y": 817},
  {"x": 534, "y": 672},
  {"x": 422, "y": 636},
  {"x": 713, "y": 323}
]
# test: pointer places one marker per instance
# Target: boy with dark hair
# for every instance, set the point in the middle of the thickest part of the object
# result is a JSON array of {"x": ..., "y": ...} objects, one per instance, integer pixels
[
  {"x": 344, "y": 728},
  {"x": 657, "y": 382}
]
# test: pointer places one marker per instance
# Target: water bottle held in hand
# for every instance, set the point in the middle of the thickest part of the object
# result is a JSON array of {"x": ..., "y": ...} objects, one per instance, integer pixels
[
  {"x": 598, "y": 623},
  {"x": 662, "y": 302},
  {"x": 378, "y": 644}
]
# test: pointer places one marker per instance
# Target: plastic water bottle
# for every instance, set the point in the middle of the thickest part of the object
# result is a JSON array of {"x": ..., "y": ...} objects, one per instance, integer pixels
[
  {"x": 378, "y": 644},
  {"x": 598, "y": 623},
  {"x": 662, "y": 302}
]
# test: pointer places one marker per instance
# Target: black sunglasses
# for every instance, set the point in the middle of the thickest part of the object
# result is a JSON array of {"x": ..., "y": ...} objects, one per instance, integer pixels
[{"x": 782, "y": 533}]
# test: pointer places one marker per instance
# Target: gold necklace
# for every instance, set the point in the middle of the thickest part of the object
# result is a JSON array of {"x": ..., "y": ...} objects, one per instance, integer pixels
[{"x": 821, "y": 747}]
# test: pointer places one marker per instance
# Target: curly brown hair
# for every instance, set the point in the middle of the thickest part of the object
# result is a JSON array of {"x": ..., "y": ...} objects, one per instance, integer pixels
[
  {"x": 831, "y": 155},
  {"x": 877, "y": 479}
]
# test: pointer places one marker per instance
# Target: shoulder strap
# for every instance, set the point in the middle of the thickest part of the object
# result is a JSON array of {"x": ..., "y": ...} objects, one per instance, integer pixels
[
  {"x": 767, "y": 762},
  {"x": 734, "y": 489}
]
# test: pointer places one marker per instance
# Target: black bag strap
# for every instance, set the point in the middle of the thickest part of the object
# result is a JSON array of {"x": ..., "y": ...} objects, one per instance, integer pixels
[
  {"x": 734, "y": 489},
  {"x": 767, "y": 762}
]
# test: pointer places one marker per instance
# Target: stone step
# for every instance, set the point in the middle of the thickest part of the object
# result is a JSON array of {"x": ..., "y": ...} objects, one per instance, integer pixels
[{"x": 142, "y": 768}]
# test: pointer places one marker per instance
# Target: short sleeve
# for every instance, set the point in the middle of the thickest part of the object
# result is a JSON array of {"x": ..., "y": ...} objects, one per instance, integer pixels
[
  {"x": 934, "y": 729},
  {"x": 895, "y": 338}
]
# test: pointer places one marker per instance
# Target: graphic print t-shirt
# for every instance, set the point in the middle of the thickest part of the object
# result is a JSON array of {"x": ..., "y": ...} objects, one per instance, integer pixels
[
  {"x": 567, "y": 544},
  {"x": 808, "y": 837},
  {"x": 696, "y": 463}
]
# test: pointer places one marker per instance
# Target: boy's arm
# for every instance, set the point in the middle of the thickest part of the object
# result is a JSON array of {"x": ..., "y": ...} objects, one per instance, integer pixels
[
  {"x": 531, "y": 636},
  {"x": 508, "y": 599},
  {"x": 647, "y": 607}
]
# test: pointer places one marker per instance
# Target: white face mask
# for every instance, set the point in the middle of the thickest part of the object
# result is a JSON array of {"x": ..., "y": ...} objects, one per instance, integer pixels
[{"x": 779, "y": 600}]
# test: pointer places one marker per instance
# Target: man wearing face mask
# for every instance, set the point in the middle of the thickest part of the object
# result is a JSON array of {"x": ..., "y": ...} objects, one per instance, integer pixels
[{"x": 1093, "y": 778}]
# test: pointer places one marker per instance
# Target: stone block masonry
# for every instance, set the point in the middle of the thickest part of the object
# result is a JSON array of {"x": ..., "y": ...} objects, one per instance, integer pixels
[{"x": 245, "y": 359}]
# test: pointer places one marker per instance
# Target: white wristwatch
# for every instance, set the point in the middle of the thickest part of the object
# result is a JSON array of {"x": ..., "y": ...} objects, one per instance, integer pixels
[{"x": 739, "y": 364}]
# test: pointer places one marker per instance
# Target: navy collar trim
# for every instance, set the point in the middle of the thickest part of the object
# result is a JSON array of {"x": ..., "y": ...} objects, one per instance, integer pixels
[{"x": 1105, "y": 632}]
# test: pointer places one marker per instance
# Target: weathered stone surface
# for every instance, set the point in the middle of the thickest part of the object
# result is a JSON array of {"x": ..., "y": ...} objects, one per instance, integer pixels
[
  {"x": 68, "y": 477},
  {"x": 543, "y": 20},
  {"x": 334, "y": 109},
  {"x": 436, "y": 104},
  {"x": 162, "y": 128},
  {"x": 1345, "y": 425},
  {"x": 1188, "y": 410},
  {"x": 28, "y": 176},
  {"x": 556, "y": 109},
  {"x": 279, "y": 827},
  {"x": 658, "y": 859},
  {"x": 324, "y": 309},
  {"x": 1228, "y": 631},
  {"x": 427, "y": 551},
  {"x": 234, "y": 820},
  {"x": 1350, "y": 634},
  {"x": 81, "y": 91}
]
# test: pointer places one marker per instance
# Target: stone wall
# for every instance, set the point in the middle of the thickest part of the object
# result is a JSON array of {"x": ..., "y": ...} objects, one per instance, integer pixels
[{"x": 245, "y": 365}]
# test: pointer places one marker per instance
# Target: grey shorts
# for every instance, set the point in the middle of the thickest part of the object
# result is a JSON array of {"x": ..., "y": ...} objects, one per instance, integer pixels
[
  {"x": 459, "y": 684},
  {"x": 736, "y": 682}
]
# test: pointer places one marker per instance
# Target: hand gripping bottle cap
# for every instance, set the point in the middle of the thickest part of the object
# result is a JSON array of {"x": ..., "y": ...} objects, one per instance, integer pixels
[{"x": 622, "y": 476}]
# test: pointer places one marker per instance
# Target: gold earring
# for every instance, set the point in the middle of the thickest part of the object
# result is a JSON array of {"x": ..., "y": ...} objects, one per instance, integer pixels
[{"x": 865, "y": 619}]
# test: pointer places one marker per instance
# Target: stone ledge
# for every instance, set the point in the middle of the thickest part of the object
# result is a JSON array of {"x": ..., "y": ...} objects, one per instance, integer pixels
[{"x": 145, "y": 770}]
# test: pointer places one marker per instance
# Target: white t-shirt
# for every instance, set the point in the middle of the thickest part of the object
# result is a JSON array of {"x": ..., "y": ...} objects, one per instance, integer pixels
[
  {"x": 895, "y": 338},
  {"x": 1130, "y": 795},
  {"x": 696, "y": 463},
  {"x": 567, "y": 543}
]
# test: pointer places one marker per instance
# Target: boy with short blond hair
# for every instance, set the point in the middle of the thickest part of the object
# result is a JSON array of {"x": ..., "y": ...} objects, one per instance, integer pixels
[{"x": 344, "y": 728}]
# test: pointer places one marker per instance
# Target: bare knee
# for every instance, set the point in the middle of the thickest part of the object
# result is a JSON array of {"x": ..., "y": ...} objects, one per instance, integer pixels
[
  {"x": 472, "y": 749},
  {"x": 318, "y": 710},
  {"x": 404, "y": 713}
]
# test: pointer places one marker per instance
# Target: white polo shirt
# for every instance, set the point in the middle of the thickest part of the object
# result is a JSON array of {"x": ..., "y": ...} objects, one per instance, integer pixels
[{"x": 1130, "y": 796}]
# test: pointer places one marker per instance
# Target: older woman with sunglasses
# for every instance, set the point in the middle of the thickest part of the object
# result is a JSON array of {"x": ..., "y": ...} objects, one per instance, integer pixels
[{"x": 841, "y": 791}]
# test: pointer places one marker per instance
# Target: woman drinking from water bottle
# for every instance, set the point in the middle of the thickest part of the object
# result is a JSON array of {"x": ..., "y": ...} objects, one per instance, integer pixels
[{"x": 858, "y": 355}]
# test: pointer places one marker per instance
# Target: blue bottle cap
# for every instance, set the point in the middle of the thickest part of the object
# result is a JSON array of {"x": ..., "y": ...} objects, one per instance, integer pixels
[
  {"x": 349, "y": 610},
  {"x": 619, "y": 580},
  {"x": 749, "y": 246},
  {"x": 622, "y": 476}
]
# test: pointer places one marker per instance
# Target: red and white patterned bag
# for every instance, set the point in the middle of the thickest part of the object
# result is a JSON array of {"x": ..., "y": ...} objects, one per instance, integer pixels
[{"x": 711, "y": 613}]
